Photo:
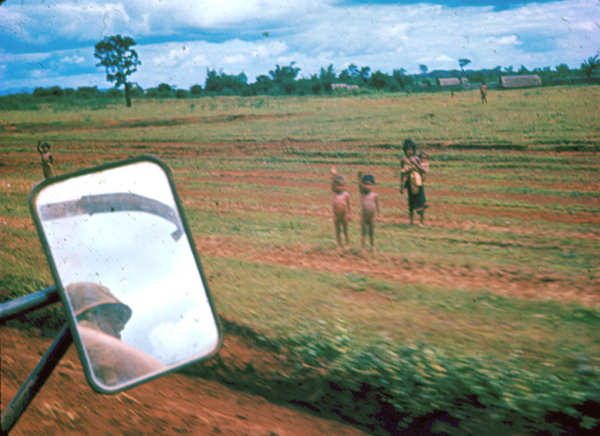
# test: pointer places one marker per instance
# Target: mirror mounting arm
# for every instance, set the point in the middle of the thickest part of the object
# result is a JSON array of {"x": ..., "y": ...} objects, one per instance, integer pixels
[
  {"x": 36, "y": 380},
  {"x": 28, "y": 303}
]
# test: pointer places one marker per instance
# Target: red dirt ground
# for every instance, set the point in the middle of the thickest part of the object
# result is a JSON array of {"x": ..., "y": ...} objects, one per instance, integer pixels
[
  {"x": 174, "y": 404},
  {"x": 183, "y": 404}
]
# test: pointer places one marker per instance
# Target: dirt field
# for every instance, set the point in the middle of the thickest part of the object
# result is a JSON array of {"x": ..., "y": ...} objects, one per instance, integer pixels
[
  {"x": 174, "y": 404},
  {"x": 231, "y": 394}
]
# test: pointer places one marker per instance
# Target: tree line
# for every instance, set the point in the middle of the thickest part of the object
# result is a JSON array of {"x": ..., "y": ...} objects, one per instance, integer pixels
[
  {"x": 120, "y": 60},
  {"x": 284, "y": 80}
]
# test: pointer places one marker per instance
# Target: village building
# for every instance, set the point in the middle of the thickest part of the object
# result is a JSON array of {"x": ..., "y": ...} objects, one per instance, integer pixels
[
  {"x": 449, "y": 82},
  {"x": 520, "y": 81},
  {"x": 453, "y": 81},
  {"x": 343, "y": 87}
]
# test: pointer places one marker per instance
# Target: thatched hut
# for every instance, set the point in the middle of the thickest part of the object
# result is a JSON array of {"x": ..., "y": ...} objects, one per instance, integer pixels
[
  {"x": 521, "y": 81},
  {"x": 453, "y": 81},
  {"x": 343, "y": 87}
]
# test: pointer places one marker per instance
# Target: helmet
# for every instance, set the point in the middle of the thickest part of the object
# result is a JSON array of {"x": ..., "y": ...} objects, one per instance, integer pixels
[{"x": 87, "y": 295}]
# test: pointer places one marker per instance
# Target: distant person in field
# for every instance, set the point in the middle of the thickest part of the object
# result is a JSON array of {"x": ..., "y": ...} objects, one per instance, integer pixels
[
  {"x": 411, "y": 178},
  {"x": 47, "y": 160},
  {"x": 370, "y": 208},
  {"x": 341, "y": 207},
  {"x": 483, "y": 90}
]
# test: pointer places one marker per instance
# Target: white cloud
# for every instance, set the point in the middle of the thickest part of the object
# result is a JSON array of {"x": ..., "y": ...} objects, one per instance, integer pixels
[
  {"x": 24, "y": 57},
  {"x": 228, "y": 34},
  {"x": 36, "y": 74},
  {"x": 445, "y": 58},
  {"x": 171, "y": 59},
  {"x": 73, "y": 59},
  {"x": 187, "y": 67},
  {"x": 235, "y": 59},
  {"x": 195, "y": 335},
  {"x": 506, "y": 40}
]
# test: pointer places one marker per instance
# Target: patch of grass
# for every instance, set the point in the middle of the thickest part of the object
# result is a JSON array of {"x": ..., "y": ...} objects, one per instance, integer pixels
[
  {"x": 380, "y": 119},
  {"x": 254, "y": 173},
  {"x": 407, "y": 340}
]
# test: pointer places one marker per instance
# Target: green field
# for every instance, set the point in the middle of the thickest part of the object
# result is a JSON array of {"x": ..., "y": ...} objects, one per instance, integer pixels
[{"x": 497, "y": 298}]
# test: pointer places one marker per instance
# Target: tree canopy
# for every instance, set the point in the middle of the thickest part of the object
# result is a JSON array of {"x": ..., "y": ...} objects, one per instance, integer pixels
[
  {"x": 591, "y": 67},
  {"x": 119, "y": 59},
  {"x": 462, "y": 63}
]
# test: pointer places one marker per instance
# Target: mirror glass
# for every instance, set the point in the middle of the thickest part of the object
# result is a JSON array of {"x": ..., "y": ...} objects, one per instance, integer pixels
[{"x": 130, "y": 278}]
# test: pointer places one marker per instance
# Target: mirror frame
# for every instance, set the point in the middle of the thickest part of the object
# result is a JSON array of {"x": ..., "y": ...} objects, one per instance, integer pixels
[{"x": 72, "y": 322}]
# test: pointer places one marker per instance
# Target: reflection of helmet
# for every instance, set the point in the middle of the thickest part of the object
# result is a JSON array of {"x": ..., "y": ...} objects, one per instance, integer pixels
[{"x": 87, "y": 295}]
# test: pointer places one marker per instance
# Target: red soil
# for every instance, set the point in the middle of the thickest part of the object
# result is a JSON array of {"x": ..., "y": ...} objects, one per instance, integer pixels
[
  {"x": 180, "y": 404},
  {"x": 173, "y": 404}
]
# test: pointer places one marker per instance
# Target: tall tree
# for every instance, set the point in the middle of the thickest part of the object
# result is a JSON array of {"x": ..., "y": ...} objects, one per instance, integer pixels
[
  {"x": 423, "y": 68},
  {"x": 327, "y": 77},
  {"x": 119, "y": 59},
  {"x": 285, "y": 77},
  {"x": 591, "y": 66},
  {"x": 364, "y": 74},
  {"x": 463, "y": 63},
  {"x": 285, "y": 73},
  {"x": 222, "y": 83},
  {"x": 563, "y": 71},
  {"x": 379, "y": 80},
  {"x": 354, "y": 75},
  {"x": 398, "y": 76}
]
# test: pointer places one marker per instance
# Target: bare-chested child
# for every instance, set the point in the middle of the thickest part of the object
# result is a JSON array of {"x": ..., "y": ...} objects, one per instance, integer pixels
[
  {"x": 341, "y": 207},
  {"x": 47, "y": 161},
  {"x": 483, "y": 89},
  {"x": 370, "y": 208}
]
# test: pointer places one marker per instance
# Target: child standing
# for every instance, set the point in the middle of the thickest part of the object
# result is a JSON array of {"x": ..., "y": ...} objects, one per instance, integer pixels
[
  {"x": 411, "y": 178},
  {"x": 341, "y": 207},
  {"x": 370, "y": 207},
  {"x": 47, "y": 161},
  {"x": 483, "y": 90}
]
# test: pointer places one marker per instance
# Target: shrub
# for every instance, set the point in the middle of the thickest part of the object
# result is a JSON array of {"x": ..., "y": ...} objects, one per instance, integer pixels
[
  {"x": 56, "y": 91},
  {"x": 18, "y": 102},
  {"x": 114, "y": 93},
  {"x": 181, "y": 93},
  {"x": 136, "y": 92},
  {"x": 419, "y": 379},
  {"x": 196, "y": 90},
  {"x": 164, "y": 90},
  {"x": 88, "y": 93},
  {"x": 394, "y": 87},
  {"x": 41, "y": 92}
]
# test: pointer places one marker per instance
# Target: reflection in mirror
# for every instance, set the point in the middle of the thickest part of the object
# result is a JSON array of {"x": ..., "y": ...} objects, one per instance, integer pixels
[{"x": 131, "y": 280}]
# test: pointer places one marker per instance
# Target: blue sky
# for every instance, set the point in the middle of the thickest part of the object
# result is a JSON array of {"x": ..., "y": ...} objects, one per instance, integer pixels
[{"x": 51, "y": 42}]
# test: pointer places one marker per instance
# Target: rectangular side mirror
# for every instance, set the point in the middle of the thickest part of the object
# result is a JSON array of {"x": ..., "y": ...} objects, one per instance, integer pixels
[{"x": 125, "y": 265}]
